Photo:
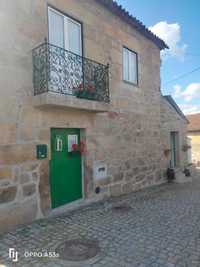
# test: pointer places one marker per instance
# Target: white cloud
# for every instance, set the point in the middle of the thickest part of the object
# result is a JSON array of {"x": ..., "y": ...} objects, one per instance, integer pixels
[
  {"x": 192, "y": 91},
  {"x": 177, "y": 91},
  {"x": 171, "y": 34},
  {"x": 190, "y": 109}
]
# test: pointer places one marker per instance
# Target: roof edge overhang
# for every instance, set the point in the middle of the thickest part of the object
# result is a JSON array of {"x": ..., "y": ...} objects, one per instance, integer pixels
[
  {"x": 172, "y": 102},
  {"x": 194, "y": 131},
  {"x": 119, "y": 11}
]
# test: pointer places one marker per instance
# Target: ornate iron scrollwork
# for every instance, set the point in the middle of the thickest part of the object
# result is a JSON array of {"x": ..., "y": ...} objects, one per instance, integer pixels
[{"x": 58, "y": 70}]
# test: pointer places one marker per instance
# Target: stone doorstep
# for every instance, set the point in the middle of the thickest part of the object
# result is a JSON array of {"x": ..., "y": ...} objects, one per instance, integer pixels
[
  {"x": 181, "y": 178},
  {"x": 75, "y": 205}
]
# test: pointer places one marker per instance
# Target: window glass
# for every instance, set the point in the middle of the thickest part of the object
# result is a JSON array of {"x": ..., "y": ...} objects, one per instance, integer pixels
[
  {"x": 132, "y": 67},
  {"x": 64, "y": 32},
  {"x": 56, "y": 29},
  {"x": 125, "y": 65},
  {"x": 129, "y": 66},
  {"x": 74, "y": 37}
]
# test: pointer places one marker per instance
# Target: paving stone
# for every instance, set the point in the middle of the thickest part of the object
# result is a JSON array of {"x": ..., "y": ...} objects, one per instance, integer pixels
[{"x": 162, "y": 229}]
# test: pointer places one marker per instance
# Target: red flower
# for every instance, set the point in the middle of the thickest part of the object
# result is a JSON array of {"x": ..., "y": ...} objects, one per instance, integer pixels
[
  {"x": 74, "y": 147},
  {"x": 90, "y": 88},
  {"x": 80, "y": 87},
  {"x": 82, "y": 147}
]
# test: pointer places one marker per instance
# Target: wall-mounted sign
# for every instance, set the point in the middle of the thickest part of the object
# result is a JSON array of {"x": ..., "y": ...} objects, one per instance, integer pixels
[
  {"x": 100, "y": 170},
  {"x": 72, "y": 140}
]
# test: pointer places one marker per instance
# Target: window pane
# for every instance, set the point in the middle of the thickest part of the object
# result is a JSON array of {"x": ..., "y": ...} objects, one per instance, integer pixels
[
  {"x": 74, "y": 37},
  {"x": 56, "y": 29},
  {"x": 132, "y": 67},
  {"x": 125, "y": 65}
]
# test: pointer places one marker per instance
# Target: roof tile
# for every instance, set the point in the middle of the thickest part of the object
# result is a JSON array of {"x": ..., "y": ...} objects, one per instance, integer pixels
[{"x": 194, "y": 120}]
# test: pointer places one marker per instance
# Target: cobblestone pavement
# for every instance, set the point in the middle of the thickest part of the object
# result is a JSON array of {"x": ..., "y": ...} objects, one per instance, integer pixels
[{"x": 162, "y": 229}]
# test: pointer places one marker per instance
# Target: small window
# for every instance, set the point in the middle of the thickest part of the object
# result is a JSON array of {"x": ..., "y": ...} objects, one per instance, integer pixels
[{"x": 130, "y": 68}]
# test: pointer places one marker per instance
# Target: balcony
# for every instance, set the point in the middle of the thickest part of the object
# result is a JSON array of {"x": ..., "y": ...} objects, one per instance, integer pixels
[{"x": 62, "y": 78}]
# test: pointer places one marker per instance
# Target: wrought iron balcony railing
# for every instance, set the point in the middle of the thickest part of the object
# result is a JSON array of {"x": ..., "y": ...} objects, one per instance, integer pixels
[{"x": 58, "y": 70}]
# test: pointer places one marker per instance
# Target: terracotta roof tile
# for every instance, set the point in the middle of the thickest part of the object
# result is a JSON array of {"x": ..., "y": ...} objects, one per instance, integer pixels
[{"x": 194, "y": 120}]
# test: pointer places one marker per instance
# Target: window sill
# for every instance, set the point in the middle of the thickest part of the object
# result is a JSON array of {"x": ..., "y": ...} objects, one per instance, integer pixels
[{"x": 131, "y": 83}]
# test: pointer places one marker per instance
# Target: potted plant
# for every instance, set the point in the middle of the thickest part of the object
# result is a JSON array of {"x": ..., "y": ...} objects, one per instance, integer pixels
[
  {"x": 170, "y": 175},
  {"x": 186, "y": 147},
  {"x": 78, "y": 148},
  {"x": 85, "y": 90},
  {"x": 167, "y": 152},
  {"x": 187, "y": 172},
  {"x": 78, "y": 90},
  {"x": 89, "y": 92}
]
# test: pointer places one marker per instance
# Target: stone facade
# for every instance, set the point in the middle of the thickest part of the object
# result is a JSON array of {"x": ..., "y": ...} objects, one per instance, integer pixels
[{"x": 128, "y": 137}]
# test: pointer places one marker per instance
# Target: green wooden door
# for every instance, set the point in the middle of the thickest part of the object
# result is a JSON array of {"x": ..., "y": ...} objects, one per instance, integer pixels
[{"x": 65, "y": 167}]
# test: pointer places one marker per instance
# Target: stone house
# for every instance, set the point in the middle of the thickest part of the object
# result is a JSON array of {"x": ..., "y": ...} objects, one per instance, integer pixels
[
  {"x": 194, "y": 137},
  {"x": 80, "y": 106},
  {"x": 173, "y": 136}
]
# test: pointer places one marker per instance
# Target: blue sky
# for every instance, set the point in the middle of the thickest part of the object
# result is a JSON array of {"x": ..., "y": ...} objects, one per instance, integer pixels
[{"x": 178, "y": 22}]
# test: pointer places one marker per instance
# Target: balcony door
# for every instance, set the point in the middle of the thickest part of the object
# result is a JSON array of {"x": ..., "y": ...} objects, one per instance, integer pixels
[{"x": 65, "y": 38}]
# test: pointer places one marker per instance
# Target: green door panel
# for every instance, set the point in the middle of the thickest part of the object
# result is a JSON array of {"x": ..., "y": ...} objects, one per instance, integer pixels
[{"x": 65, "y": 168}]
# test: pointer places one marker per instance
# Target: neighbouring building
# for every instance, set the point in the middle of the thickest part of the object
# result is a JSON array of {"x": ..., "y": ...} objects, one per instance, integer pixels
[
  {"x": 194, "y": 137},
  {"x": 173, "y": 135},
  {"x": 81, "y": 113}
]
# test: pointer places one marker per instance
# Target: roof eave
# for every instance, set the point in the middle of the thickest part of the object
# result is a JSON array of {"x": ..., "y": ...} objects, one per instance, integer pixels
[
  {"x": 171, "y": 101},
  {"x": 119, "y": 11},
  {"x": 193, "y": 131}
]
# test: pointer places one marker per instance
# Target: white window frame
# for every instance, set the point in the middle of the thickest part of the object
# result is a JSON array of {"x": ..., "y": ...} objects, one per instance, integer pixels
[
  {"x": 67, "y": 18},
  {"x": 126, "y": 76}
]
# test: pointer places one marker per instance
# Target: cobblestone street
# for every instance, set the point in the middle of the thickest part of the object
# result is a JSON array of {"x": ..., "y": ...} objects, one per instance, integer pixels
[{"x": 161, "y": 229}]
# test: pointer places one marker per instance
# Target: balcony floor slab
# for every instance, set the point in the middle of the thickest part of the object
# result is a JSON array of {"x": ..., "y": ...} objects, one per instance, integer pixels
[{"x": 50, "y": 99}]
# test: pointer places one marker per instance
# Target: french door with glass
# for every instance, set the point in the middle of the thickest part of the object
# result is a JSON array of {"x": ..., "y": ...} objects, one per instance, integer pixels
[{"x": 65, "y": 51}]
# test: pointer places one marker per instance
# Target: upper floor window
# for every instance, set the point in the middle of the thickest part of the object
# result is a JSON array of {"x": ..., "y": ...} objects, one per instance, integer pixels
[
  {"x": 64, "y": 31},
  {"x": 130, "y": 66}
]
